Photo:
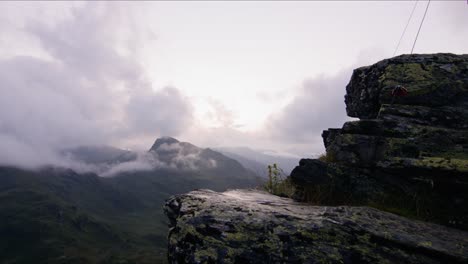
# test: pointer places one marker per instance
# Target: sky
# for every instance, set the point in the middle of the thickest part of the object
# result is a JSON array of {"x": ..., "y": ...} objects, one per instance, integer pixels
[{"x": 266, "y": 75}]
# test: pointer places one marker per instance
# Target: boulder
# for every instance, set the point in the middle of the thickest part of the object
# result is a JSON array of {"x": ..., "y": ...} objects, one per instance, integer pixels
[
  {"x": 432, "y": 80},
  {"x": 310, "y": 171},
  {"x": 406, "y": 154},
  {"x": 249, "y": 226}
]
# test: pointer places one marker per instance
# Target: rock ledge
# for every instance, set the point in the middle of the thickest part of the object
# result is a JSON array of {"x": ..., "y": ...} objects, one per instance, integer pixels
[{"x": 249, "y": 226}]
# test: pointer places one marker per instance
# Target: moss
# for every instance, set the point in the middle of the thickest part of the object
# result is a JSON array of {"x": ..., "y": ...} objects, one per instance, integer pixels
[
  {"x": 327, "y": 157},
  {"x": 421, "y": 80},
  {"x": 401, "y": 147},
  {"x": 238, "y": 236},
  {"x": 203, "y": 255},
  {"x": 397, "y": 206},
  {"x": 442, "y": 163},
  {"x": 407, "y": 73},
  {"x": 457, "y": 155},
  {"x": 309, "y": 235},
  {"x": 425, "y": 244},
  {"x": 347, "y": 139}
]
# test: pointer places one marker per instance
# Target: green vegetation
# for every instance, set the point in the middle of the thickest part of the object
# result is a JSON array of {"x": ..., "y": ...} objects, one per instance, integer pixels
[
  {"x": 61, "y": 217},
  {"x": 58, "y": 216},
  {"x": 278, "y": 183},
  {"x": 320, "y": 195},
  {"x": 326, "y": 157}
]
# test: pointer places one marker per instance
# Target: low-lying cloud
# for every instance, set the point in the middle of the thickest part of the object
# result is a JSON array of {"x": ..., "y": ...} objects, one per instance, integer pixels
[
  {"x": 142, "y": 162},
  {"x": 182, "y": 156},
  {"x": 108, "y": 161},
  {"x": 86, "y": 91},
  {"x": 87, "y": 87}
]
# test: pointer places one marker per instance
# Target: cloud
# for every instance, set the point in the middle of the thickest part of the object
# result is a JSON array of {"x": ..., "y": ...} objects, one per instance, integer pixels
[
  {"x": 88, "y": 90},
  {"x": 166, "y": 112},
  {"x": 143, "y": 162},
  {"x": 179, "y": 156},
  {"x": 182, "y": 156},
  {"x": 457, "y": 17},
  {"x": 318, "y": 105},
  {"x": 79, "y": 80},
  {"x": 219, "y": 115}
]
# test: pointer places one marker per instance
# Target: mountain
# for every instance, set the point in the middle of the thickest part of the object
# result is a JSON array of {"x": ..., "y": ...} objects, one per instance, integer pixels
[
  {"x": 258, "y": 161},
  {"x": 56, "y": 215},
  {"x": 259, "y": 168},
  {"x": 100, "y": 154}
]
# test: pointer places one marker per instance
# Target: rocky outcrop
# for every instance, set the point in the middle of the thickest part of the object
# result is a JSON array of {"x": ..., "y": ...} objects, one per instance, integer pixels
[
  {"x": 246, "y": 226},
  {"x": 432, "y": 80},
  {"x": 407, "y": 154}
]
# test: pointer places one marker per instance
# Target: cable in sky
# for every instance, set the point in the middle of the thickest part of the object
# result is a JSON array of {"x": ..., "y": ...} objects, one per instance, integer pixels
[
  {"x": 420, "y": 26},
  {"x": 407, "y": 23}
]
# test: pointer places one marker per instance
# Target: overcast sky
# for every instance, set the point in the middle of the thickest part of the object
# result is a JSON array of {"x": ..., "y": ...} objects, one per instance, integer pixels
[{"x": 268, "y": 75}]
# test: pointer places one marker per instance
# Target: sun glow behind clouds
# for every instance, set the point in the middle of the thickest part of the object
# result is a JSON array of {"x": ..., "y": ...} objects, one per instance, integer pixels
[
  {"x": 253, "y": 56},
  {"x": 225, "y": 96},
  {"x": 250, "y": 57},
  {"x": 234, "y": 66}
]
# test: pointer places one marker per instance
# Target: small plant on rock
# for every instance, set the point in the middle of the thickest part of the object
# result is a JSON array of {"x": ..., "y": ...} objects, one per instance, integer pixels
[
  {"x": 326, "y": 157},
  {"x": 278, "y": 183}
]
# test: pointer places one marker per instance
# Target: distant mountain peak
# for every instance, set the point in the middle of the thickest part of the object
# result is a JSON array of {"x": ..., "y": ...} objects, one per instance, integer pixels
[{"x": 163, "y": 140}]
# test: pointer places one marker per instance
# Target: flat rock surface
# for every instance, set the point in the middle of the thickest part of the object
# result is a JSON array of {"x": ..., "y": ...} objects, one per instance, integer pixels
[{"x": 250, "y": 226}]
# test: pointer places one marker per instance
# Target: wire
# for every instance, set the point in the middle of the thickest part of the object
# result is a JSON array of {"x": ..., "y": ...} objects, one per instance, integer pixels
[
  {"x": 407, "y": 23},
  {"x": 420, "y": 26}
]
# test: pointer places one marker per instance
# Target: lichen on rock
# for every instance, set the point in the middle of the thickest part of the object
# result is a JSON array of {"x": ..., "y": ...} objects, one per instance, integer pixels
[
  {"x": 407, "y": 154},
  {"x": 432, "y": 80},
  {"x": 249, "y": 226}
]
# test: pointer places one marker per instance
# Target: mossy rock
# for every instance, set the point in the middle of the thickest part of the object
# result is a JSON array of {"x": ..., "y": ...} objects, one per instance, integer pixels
[
  {"x": 248, "y": 226},
  {"x": 431, "y": 80}
]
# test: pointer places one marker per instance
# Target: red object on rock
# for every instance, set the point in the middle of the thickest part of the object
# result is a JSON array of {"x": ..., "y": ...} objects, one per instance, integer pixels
[{"x": 399, "y": 91}]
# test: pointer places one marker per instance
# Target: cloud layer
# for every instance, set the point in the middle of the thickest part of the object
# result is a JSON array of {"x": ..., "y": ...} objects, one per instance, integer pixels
[
  {"x": 75, "y": 74},
  {"x": 87, "y": 91},
  {"x": 318, "y": 105}
]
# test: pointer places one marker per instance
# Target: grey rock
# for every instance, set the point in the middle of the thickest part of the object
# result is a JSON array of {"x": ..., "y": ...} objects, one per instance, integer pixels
[
  {"x": 310, "y": 171},
  {"x": 409, "y": 154},
  {"x": 431, "y": 79},
  {"x": 248, "y": 226}
]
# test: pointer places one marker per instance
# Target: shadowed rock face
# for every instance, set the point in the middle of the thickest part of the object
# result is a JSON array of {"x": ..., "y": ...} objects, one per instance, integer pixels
[
  {"x": 407, "y": 154},
  {"x": 246, "y": 226}
]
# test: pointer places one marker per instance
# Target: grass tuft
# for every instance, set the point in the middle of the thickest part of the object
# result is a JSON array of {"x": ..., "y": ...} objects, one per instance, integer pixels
[{"x": 278, "y": 182}]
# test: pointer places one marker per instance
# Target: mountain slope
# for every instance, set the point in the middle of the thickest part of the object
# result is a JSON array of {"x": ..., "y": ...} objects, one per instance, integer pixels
[
  {"x": 100, "y": 154},
  {"x": 258, "y": 161},
  {"x": 202, "y": 163},
  {"x": 56, "y": 215}
]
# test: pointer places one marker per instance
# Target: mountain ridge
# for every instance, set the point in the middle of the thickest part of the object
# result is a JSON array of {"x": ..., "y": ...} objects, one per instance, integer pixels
[{"x": 57, "y": 215}]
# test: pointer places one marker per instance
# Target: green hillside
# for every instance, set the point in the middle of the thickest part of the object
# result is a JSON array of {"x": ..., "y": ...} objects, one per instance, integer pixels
[{"x": 58, "y": 216}]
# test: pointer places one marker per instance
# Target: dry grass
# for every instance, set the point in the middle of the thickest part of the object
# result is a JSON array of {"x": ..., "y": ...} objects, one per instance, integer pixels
[{"x": 278, "y": 182}]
